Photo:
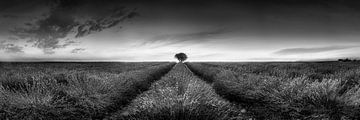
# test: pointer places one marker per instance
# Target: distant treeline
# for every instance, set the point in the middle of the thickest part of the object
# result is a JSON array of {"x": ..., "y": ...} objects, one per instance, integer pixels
[{"x": 347, "y": 60}]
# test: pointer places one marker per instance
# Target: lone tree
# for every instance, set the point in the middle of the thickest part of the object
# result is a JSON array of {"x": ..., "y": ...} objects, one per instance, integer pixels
[{"x": 181, "y": 57}]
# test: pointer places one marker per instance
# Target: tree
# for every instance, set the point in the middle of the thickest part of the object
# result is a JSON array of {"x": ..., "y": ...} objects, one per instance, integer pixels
[
  {"x": 181, "y": 57},
  {"x": 345, "y": 60}
]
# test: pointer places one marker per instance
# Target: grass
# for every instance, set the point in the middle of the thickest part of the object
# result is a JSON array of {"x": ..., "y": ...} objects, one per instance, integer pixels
[
  {"x": 286, "y": 90},
  {"x": 72, "y": 90}
]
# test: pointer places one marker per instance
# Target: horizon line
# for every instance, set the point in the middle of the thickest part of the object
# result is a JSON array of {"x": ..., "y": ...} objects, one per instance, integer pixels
[{"x": 84, "y": 61}]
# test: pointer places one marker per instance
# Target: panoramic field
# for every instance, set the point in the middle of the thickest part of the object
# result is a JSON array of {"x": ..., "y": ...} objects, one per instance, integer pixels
[
  {"x": 179, "y": 60},
  {"x": 160, "y": 90}
]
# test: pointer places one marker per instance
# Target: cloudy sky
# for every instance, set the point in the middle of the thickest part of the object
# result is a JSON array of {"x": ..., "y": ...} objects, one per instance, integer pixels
[{"x": 212, "y": 30}]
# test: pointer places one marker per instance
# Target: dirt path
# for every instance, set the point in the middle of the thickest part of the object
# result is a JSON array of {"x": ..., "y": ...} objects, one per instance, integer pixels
[{"x": 180, "y": 95}]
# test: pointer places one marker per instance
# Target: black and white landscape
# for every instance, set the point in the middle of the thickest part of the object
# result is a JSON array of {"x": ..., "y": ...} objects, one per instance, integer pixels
[{"x": 179, "y": 59}]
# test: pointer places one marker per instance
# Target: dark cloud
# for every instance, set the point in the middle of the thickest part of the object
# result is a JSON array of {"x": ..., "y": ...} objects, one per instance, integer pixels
[
  {"x": 294, "y": 51},
  {"x": 68, "y": 17},
  {"x": 10, "y": 16},
  {"x": 78, "y": 50},
  {"x": 178, "y": 38},
  {"x": 10, "y": 48},
  {"x": 13, "y": 38}
]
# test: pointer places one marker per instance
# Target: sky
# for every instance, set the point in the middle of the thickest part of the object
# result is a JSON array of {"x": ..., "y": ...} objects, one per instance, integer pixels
[{"x": 155, "y": 30}]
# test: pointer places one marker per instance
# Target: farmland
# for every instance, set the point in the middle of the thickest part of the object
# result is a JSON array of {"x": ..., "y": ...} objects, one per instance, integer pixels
[
  {"x": 180, "y": 95},
  {"x": 163, "y": 91},
  {"x": 328, "y": 90},
  {"x": 72, "y": 90}
]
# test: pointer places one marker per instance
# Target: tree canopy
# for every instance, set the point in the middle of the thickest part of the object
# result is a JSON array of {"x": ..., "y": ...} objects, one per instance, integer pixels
[{"x": 181, "y": 57}]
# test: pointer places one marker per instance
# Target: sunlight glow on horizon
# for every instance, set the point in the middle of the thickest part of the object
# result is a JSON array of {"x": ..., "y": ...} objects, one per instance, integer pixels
[{"x": 196, "y": 53}]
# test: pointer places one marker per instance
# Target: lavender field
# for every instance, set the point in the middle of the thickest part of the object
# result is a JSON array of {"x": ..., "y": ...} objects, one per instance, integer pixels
[{"x": 206, "y": 91}]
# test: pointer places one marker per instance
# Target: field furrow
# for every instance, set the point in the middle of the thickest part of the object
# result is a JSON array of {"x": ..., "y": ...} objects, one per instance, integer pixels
[
  {"x": 283, "y": 91},
  {"x": 180, "y": 95},
  {"x": 86, "y": 92}
]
